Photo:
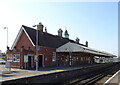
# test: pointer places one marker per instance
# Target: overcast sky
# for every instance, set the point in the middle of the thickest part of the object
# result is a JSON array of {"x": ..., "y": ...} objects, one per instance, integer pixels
[{"x": 96, "y": 22}]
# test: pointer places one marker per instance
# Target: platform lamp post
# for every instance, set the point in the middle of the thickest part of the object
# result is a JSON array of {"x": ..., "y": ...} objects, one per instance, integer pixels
[
  {"x": 7, "y": 65},
  {"x": 36, "y": 47},
  {"x": 7, "y": 35}
]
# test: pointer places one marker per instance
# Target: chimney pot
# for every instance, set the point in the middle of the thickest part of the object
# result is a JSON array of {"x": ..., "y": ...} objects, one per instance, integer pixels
[
  {"x": 86, "y": 43},
  {"x": 40, "y": 27}
]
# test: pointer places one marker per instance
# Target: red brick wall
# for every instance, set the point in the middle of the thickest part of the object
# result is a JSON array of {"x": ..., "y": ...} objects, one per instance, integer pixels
[
  {"x": 15, "y": 64},
  {"x": 77, "y": 58},
  {"x": 47, "y": 52},
  {"x": 24, "y": 41},
  {"x": 62, "y": 59}
]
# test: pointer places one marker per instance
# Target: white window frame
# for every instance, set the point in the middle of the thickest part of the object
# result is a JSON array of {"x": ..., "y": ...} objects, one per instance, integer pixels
[
  {"x": 15, "y": 57},
  {"x": 9, "y": 55},
  {"x": 54, "y": 57}
]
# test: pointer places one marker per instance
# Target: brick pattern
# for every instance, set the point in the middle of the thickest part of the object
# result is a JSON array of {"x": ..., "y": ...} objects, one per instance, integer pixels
[
  {"x": 24, "y": 41},
  {"x": 77, "y": 58},
  {"x": 48, "y": 53},
  {"x": 24, "y": 44},
  {"x": 15, "y": 64}
]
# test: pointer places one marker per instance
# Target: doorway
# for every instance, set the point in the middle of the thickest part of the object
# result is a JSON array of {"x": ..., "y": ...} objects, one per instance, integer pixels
[
  {"x": 29, "y": 62},
  {"x": 40, "y": 61}
]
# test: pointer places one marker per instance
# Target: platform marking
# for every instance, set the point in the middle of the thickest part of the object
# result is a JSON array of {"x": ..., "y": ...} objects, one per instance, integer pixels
[{"x": 112, "y": 78}]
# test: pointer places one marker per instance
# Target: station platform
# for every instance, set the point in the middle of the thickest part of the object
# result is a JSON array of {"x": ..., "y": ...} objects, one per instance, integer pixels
[
  {"x": 21, "y": 73},
  {"x": 114, "y": 80},
  {"x": 52, "y": 75}
]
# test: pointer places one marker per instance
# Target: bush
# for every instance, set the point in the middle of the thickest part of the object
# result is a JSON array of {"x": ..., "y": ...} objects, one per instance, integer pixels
[{"x": 4, "y": 57}]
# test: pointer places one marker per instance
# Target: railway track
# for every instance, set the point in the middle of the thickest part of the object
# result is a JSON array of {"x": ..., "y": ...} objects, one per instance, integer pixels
[{"x": 92, "y": 78}]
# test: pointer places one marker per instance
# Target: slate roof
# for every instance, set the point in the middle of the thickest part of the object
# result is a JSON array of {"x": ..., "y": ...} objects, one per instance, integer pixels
[{"x": 47, "y": 39}]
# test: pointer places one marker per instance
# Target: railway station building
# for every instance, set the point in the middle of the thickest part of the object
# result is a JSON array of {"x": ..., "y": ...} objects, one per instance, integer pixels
[{"x": 50, "y": 50}]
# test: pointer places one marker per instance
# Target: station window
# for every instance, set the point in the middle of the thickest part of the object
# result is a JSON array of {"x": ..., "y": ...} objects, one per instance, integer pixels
[
  {"x": 16, "y": 58},
  {"x": 81, "y": 58},
  {"x": 9, "y": 57},
  {"x": 77, "y": 58},
  {"x": 54, "y": 57}
]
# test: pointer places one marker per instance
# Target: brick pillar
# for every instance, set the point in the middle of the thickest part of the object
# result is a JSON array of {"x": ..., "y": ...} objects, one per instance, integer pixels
[{"x": 22, "y": 57}]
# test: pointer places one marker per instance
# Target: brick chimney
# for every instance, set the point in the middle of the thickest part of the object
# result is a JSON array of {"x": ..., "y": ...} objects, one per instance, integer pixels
[
  {"x": 40, "y": 27},
  {"x": 86, "y": 43},
  {"x": 60, "y": 32},
  {"x": 77, "y": 40}
]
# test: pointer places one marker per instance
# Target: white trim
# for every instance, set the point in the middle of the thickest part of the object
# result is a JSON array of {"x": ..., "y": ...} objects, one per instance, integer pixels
[
  {"x": 32, "y": 61},
  {"x": 17, "y": 38},
  {"x": 53, "y": 56},
  {"x": 25, "y": 57},
  {"x": 111, "y": 78},
  {"x": 42, "y": 60},
  {"x": 31, "y": 54},
  {"x": 28, "y": 37}
]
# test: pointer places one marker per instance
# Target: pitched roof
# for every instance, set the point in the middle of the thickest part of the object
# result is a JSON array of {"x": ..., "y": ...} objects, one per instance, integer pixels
[
  {"x": 74, "y": 47},
  {"x": 46, "y": 39}
]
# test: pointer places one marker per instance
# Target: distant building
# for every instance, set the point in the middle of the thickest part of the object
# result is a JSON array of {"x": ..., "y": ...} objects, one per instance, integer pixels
[
  {"x": 53, "y": 50},
  {"x": 115, "y": 59},
  {"x": 103, "y": 59}
]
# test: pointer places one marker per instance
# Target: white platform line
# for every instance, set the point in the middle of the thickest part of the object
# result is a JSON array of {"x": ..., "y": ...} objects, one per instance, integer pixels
[{"x": 111, "y": 77}]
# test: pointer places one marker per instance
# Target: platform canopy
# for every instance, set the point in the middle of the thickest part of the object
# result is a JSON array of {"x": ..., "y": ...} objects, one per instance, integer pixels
[{"x": 73, "y": 47}]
